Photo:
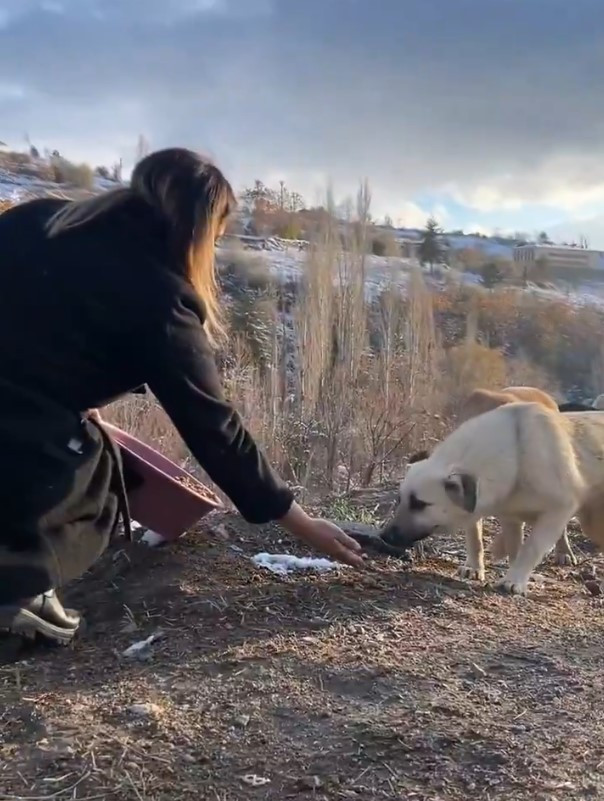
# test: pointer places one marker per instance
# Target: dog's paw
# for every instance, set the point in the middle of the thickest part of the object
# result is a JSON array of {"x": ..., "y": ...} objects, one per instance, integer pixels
[
  {"x": 565, "y": 559},
  {"x": 471, "y": 573},
  {"x": 512, "y": 586}
]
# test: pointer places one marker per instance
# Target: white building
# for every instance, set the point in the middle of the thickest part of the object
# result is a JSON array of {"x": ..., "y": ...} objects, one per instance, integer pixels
[{"x": 567, "y": 256}]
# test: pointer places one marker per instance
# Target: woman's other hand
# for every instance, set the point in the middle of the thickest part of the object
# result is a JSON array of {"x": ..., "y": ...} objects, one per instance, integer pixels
[
  {"x": 94, "y": 414},
  {"x": 323, "y": 536}
]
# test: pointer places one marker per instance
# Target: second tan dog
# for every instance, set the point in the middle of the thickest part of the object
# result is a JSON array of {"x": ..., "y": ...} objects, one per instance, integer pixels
[
  {"x": 509, "y": 540},
  {"x": 520, "y": 461}
]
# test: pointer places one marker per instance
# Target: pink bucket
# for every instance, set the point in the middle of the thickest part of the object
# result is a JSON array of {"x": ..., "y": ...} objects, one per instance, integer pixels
[{"x": 161, "y": 502}]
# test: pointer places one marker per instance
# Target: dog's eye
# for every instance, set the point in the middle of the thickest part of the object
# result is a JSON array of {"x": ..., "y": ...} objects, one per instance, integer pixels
[{"x": 415, "y": 505}]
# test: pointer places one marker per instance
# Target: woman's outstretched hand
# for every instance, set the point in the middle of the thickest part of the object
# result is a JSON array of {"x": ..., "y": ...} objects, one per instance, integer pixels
[{"x": 323, "y": 536}]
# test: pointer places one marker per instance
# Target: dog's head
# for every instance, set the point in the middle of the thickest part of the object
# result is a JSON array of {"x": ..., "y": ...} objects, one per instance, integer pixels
[{"x": 431, "y": 499}]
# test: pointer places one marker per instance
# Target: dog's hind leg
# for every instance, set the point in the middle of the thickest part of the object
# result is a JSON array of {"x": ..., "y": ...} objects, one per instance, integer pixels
[
  {"x": 508, "y": 541},
  {"x": 591, "y": 518},
  {"x": 474, "y": 566},
  {"x": 564, "y": 553},
  {"x": 546, "y": 532}
]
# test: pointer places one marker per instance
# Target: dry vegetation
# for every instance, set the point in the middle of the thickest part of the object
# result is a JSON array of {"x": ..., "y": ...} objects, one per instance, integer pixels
[
  {"x": 54, "y": 169},
  {"x": 340, "y": 387}
]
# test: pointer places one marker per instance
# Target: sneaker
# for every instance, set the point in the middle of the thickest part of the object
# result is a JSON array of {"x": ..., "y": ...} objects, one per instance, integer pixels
[{"x": 43, "y": 616}]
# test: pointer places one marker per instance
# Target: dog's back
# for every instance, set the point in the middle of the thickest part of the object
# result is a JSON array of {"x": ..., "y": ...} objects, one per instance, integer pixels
[
  {"x": 532, "y": 395},
  {"x": 516, "y": 448},
  {"x": 485, "y": 400}
]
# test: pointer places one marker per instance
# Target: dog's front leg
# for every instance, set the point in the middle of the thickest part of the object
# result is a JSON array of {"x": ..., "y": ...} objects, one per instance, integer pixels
[
  {"x": 564, "y": 553},
  {"x": 508, "y": 541},
  {"x": 474, "y": 566},
  {"x": 546, "y": 532}
]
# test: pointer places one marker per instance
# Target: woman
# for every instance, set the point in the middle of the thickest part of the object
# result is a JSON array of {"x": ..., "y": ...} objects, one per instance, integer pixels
[{"x": 99, "y": 297}]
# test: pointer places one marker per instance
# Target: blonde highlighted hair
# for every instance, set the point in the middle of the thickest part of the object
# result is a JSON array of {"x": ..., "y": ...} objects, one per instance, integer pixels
[{"x": 193, "y": 198}]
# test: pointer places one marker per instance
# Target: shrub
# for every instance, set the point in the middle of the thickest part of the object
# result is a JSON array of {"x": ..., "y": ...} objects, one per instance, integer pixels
[
  {"x": 78, "y": 175},
  {"x": 491, "y": 275},
  {"x": 385, "y": 245},
  {"x": 253, "y": 319},
  {"x": 246, "y": 270},
  {"x": 14, "y": 160},
  {"x": 289, "y": 230}
]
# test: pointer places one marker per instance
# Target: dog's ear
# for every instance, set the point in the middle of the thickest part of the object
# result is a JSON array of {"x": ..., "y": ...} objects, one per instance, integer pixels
[
  {"x": 462, "y": 490},
  {"x": 418, "y": 457}
]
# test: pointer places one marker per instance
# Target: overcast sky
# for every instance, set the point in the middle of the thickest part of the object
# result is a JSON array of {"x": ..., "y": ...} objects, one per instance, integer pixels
[{"x": 489, "y": 113}]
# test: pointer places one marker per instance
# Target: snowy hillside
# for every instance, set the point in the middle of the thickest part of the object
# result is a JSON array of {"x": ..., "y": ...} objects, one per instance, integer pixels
[
  {"x": 286, "y": 258},
  {"x": 286, "y": 262},
  {"x": 24, "y": 176},
  {"x": 490, "y": 247}
]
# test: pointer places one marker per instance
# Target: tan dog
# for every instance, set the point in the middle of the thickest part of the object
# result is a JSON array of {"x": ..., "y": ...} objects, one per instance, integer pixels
[
  {"x": 508, "y": 541},
  {"x": 521, "y": 462}
]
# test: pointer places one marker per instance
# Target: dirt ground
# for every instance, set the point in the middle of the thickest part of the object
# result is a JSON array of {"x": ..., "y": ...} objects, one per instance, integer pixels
[{"x": 393, "y": 683}]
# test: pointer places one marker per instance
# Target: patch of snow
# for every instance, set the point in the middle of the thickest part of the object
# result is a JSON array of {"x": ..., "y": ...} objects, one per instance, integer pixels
[
  {"x": 485, "y": 245},
  {"x": 283, "y": 563}
]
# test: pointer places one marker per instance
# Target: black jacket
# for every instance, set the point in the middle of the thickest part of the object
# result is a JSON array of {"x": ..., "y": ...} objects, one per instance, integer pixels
[{"x": 95, "y": 312}]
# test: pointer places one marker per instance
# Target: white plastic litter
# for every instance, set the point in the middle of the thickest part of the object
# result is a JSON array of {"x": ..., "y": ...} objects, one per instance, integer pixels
[
  {"x": 284, "y": 563},
  {"x": 137, "y": 649},
  {"x": 152, "y": 539},
  {"x": 255, "y": 781}
]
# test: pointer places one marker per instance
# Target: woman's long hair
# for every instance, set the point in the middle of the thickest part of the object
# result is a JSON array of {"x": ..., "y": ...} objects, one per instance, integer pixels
[{"x": 192, "y": 196}]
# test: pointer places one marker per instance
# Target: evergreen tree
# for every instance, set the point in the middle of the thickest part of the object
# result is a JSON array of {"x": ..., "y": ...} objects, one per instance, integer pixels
[
  {"x": 491, "y": 275},
  {"x": 430, "y": 250}
]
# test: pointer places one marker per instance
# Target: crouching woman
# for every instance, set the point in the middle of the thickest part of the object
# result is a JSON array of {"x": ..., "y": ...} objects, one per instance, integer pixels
[{"x": 97, "y": 298}]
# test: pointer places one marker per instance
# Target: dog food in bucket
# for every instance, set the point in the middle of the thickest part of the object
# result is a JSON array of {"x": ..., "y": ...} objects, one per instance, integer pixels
[{"x": 188, "y": 482}]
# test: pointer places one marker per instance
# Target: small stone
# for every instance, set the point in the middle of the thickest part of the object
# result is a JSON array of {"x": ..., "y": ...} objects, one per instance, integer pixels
[
  {"x": 589, "y": 573},
  {"x": 242, "y": 721},
  {"x": 144, "y": 710},
  {"x": 56, "y": 749},
  {"x": 310, "y": 783},
  {"x": 221, "y": 533},
  {"x": 593, "y": 587}
]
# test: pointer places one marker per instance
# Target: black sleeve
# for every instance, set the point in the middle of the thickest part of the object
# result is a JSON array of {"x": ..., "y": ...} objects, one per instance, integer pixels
[{"x": 183, "y": 375}]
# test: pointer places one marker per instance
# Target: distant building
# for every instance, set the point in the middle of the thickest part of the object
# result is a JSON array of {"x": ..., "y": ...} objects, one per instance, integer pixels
[{"x": 567, "y": 256}]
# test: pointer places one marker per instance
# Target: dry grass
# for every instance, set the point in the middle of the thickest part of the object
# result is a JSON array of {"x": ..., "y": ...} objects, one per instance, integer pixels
[{"x": 390, "y": 684}]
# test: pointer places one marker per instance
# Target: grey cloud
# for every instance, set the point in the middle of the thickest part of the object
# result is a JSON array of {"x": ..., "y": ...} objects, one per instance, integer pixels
[{"x": 415, "y": 95}]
